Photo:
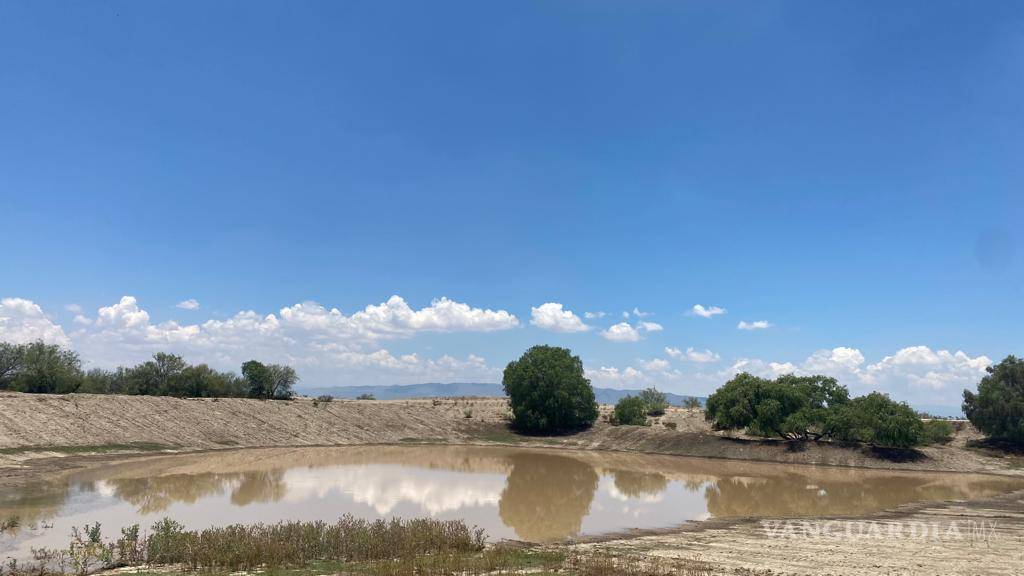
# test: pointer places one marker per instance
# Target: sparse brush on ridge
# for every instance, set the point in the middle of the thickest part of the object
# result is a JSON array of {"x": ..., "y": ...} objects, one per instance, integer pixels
[{"x": 38, "y": 367}]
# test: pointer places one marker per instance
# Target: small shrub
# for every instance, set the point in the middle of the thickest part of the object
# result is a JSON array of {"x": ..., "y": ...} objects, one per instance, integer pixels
[
  {"x": 937, "y": 432},
  {"x": 630, "y": 411},
  {"x": 655, "y": 402},
  {"x": 10, "y": 523},
  {"x": 365, "y": 397},
  {"x": 467, "y": 413},
  {"x": 670, "y": 425},
  {"x": 322, "y": 399}
]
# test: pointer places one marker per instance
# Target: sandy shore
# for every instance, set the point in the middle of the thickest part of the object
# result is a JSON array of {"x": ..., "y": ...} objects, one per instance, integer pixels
[{"x": 47, "y": 436}]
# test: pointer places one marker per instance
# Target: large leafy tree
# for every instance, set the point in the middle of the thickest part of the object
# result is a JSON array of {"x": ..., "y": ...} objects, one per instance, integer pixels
[
  {"x": 791, "y": 407},
  {"x": 269, "y": 381},
  {"x": 156, "y": 377},
  {"x": 548, "y": 392},
  {"x": 997, "y": 409},
  {"x": 40, "y": 368}
]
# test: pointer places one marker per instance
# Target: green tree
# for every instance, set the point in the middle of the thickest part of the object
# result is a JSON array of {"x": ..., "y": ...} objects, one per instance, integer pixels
[
  {"x": 877, "y": 420},
  {"x": 256, "y": 376},
  {"x": 656, "y": 402},
  {"x": 281, "y": 380},
  {"x": 100, "y": 381},
  {"x": 997, "y": 409},
  {"x": 791, "y": 407},
  {"x": 156, "y": 377},
  {"x": 269, "y": 381},
  {"x": 548, "y": 392},
  {"x": 10, "y": 363},
  {"x": 630, "y": 411},
  {"x": 45, "y": 368}
]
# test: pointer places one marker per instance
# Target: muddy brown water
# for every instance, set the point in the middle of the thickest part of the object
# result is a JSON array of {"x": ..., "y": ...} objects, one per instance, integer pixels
[{"x": 525, "y": 494}]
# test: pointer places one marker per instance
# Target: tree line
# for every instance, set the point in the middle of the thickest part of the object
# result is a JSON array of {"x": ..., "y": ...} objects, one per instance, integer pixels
[
  {"x": 549, "y": 393},
  {"x": 41, "y": 368}
]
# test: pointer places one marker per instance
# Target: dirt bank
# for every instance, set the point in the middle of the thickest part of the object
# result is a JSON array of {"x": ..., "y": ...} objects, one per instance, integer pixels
[{"x": 40, "y": 433}]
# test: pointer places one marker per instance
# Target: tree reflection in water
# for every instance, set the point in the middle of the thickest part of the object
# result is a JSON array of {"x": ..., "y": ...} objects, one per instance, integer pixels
[
  {"x": 546, "y": 496},
  {"x": 633, "y": 484},
  {"x": 156, "y": 494}
]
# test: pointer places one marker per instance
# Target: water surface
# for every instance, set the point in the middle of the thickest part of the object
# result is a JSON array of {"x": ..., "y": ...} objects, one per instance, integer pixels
[{"x": 525, "y": 494}]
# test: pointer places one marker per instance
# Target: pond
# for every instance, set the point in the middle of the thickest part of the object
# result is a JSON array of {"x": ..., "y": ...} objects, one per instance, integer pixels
[{"x": 526, "y": 494}]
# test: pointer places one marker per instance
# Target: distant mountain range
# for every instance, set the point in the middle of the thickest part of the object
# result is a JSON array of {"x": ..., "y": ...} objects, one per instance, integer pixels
[{"x": 435, "y": 390}]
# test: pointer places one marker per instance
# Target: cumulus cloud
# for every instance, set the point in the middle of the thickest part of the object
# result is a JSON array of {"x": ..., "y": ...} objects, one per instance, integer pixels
[
  {"x": 190, "y": 304},
  {"x": 706, "y": 312},
  {"x": 693, "y": 355},
  {"x": 656, "y": 365},
  {"x": 755, "y": 325},
  {"x": 639, "y": 314},
  {"x": 915, "y": 373},
  {"x": 551, "y": 316},
  {"x": 24, "y": 321},
  {"x": 701, "y": 356},
  {"x": 624, "y": 332},
  {"x": 594, "y": 315},
  {"x": 621, "y": 332},
  {"x": 326, "y": 345}
]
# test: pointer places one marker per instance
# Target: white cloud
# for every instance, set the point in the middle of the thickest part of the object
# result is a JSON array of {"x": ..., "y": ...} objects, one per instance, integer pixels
[
  {"x": 639, "y": 314},
  {"x": 915, "y": 373},
  {"x": 125, "y": 314},
  {"x": 190, "y": 304},
  {"x": 935, "y": 370},
  {"x": 621, "y": 332},
  {"x": 594, "y": 315},
  {"x": 755, "y": 325},
  {"x": 702, "y": 357},
  {"x": 73, "y": 308},
  {"x": 624, "y": 332},
  {"x": 656, "y": 365},
  {"x": 708, "y": 312},
  {"x": 650, "y": 327},
  {"x": 24, "y": 321},
  {"x": 673, "y": 352},
  {"x": 551, "y": 316},
  {"x": 327, "y": 346}
]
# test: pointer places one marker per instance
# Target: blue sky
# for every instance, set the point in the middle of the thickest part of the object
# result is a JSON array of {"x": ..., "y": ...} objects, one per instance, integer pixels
[{"x": 849, "y": 172}]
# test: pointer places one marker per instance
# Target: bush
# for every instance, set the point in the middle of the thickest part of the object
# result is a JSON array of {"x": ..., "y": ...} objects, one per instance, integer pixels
[
  {"x": 998, "y": 407},
  {"x": 877, "y": 420},
  {"x": 548, "y": 392},
  {"x": 655, "y": 401},
  {"x": 630, "y": 411},
  {"x": 365, "y": 397},
  {"x": 791, "y": 407},
  {"x": 937, "y": 432}
]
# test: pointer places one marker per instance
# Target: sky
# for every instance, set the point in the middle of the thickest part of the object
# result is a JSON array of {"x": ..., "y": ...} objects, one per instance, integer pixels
[{"x": 392, "y": 193}]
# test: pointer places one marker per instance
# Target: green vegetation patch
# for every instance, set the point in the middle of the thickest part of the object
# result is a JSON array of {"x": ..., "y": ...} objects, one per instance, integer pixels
[{"x": 90, "y": 448}]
